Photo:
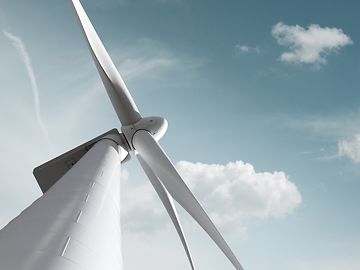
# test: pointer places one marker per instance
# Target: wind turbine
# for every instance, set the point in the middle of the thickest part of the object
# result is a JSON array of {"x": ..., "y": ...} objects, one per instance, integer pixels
[{"x": 75, "y": 224}]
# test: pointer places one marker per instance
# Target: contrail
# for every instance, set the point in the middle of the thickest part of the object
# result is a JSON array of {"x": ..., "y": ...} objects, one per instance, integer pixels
[{"x": 24, "y": 56}]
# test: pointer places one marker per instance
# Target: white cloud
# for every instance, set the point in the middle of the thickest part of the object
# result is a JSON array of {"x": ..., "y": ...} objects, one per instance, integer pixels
[
  {"x": 309, "y": 46},
  {"x": 242, "y": 49},
  {"x": 350, "y": 148},
  {"x": 230, "y": 194},
  {"x": 235, "y": 191},
  {"x": 24, "y": 56}
]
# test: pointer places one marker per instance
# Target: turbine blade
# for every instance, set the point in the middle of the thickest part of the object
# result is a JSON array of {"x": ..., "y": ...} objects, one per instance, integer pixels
[
  {"x": 160, "y": 164},
  {"x": 118, "y": 93},
  {"x": 168, "y": 202}
]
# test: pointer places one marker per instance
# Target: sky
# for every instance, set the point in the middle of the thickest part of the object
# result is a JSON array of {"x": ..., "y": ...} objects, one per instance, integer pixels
[{"x": 263, "y": 105}]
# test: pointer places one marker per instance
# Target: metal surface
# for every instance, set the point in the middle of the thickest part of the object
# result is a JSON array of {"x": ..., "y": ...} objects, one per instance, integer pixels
[
  {"x": 157, "y": 126},
  {"x": 75, "y": 225},
  {"x": 118, "y": 93},
  {"x": 50, "y": 172},
  {"x": 169, "y": 205},
  {"x": 149, "y": 149}
]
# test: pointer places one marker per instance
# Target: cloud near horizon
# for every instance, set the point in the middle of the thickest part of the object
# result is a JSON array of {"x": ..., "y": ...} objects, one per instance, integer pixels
[{"x": 311, "y": 45}]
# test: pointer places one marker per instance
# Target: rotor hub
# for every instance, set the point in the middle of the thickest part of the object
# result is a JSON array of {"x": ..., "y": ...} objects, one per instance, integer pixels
[{"x": 155, "y": 125}]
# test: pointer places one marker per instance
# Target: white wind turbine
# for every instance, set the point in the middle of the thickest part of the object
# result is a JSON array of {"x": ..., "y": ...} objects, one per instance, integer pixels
[{"x": 75, "y": 224}]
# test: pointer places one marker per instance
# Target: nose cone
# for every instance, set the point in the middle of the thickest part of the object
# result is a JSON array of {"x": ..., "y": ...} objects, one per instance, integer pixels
[
  {"x": 160, "y": 127},
  {"x": 155, "y": 125}
]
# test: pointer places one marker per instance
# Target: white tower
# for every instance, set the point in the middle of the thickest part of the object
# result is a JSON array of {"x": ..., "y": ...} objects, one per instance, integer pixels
[{"x": 75, "y": 225}]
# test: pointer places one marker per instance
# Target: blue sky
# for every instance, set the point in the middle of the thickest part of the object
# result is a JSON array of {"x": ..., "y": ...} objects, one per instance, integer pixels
[{"x": 273, "y": 84}]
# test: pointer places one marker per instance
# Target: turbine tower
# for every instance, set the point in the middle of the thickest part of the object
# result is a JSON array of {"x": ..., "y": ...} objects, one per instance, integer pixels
[{"x": 75, "y": 224}]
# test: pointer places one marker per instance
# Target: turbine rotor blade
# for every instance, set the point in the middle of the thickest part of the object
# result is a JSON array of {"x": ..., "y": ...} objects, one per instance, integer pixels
[
  {"x": 168, "y": 203},
  {"x": 160, "y": 164},
  {"x": 118, "y": 93}
]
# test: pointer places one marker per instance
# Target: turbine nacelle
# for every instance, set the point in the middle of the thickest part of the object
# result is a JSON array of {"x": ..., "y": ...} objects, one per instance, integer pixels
[{"x": 155, "y": 125}]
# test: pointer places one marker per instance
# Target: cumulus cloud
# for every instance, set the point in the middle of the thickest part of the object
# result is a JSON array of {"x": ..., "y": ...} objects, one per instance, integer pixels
[
  {"x": 230, "y": 193},
  {"x": 24, "y": 56},
  {"x": 235, "y": 190},
  {"x": 350, "y": 148},
  {"x": 311, "y": 45}
]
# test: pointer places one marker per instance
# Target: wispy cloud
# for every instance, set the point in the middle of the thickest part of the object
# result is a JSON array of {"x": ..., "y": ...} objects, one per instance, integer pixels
[
  {"x": 24, "y": 56},
  {"x": 151, "y": 59},
  {"x": 244, "y": 49},
  {"x": 350, "y": 148},
  {"x": 335, "y": 126},
  {"x": 311, "y": 45},
  {"x": 341, "y": 131}
]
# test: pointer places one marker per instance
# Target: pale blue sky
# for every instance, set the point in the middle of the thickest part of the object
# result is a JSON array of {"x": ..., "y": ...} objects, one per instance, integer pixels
[{"x": 214, "y": 71}]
